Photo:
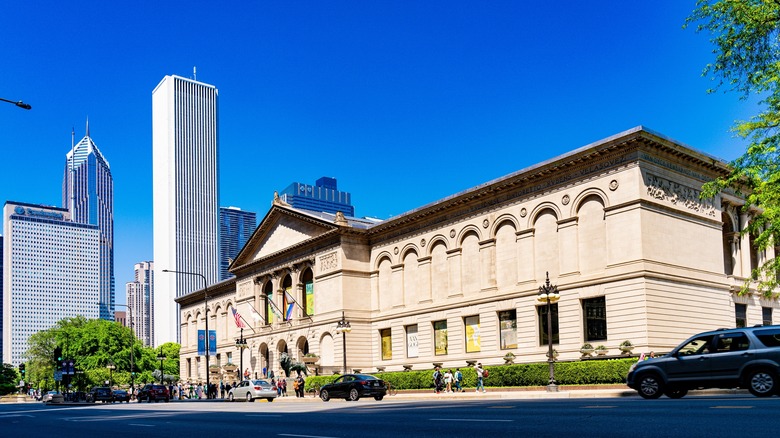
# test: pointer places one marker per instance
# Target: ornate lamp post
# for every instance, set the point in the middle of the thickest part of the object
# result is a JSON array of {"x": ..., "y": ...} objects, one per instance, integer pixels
[
  {"x": 111, "y": 367},
  {"x": 241, "y": 345},
  {"x": 343, "y": 327},
  {"x": 18, "y": 103},
  {"x": 548, "y": 295},
  {"x": 161, "y": 358},
  {"x": 206, "y": 303}
]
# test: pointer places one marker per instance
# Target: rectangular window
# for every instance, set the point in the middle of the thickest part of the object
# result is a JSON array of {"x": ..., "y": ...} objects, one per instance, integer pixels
[
  {"x": 387, "y": 343},
  {"x": 542, "y": 314},
  {"x": 740, "y": 312},
  {"x": 473, "y": 336},
  {"x": 507, "y": 326},
  {"x": 440, "y": 337},
  {"x": 766, "y": 315},
  {"x": 411, "y": 341},
  {"x": 594, "y": 312}
]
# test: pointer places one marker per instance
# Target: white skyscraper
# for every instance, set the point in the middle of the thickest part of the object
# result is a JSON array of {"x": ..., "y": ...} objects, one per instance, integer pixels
[
  {"x": 51, "y": 271},
  {"x": 186, "y": 197}
]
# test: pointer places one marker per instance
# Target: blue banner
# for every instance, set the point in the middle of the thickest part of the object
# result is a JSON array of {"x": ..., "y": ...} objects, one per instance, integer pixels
[{"x": 201, "y": 342}]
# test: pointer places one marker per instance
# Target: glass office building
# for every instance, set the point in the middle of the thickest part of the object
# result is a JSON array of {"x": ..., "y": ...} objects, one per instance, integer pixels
[
  {"x": 51, "y": 271},
  {"x": 322, "y": 196},
  {"x": 140, "y": 294},
  {"x": 235, "y": 229}
]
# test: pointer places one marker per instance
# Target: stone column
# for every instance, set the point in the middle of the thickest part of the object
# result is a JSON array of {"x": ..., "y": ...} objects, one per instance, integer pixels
[{"x": 744, "y": 244}]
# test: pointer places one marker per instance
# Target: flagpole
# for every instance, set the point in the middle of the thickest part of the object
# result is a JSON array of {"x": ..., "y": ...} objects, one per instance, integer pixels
[
  {"x": 280, "y": 314},
  {"x": 299, "y": 306}
]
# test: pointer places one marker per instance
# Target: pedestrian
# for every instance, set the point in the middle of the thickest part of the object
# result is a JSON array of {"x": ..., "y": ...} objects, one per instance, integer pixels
[
  {"x": 278, "y": 385},
  {"x": 480, "y": 377},
  {"x": 300, "y": 383},
  {"x": 437, "y": 380},
  {"x": 448, "y": 380},
  {"x": 458, "y": 377},
  {"x": 221, "y": 389},
  {"x": 246, "y": 374},
  {"x": 284, "y": 387}
]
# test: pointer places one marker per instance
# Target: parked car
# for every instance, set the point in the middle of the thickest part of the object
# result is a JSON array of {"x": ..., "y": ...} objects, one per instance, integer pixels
[
  {"x": 250, "y": 390},
  {"x": 52, "y": 397},
  {"x": 102, "y": 394},
  {"x": 353, "y": 386},
  {"x": 120, "y": 395},
  {"x": 747, "y": 357},
  {"x": 154, "y": 392}
]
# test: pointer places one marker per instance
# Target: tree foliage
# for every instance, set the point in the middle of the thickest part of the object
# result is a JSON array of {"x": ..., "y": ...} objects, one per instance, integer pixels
[
  {"x": 9, "y": 378},
  {"x": 93, "y": 344},
  {"x": 745, "y": 35}
]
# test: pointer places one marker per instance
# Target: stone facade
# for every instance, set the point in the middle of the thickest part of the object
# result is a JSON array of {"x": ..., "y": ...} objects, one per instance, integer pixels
[{"x": 617, "y": 225}]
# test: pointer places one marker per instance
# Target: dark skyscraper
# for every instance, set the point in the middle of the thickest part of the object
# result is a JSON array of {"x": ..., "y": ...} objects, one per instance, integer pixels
[
  {"x": 235, "y": 228},
  {"x": 88, "y": 193},
  {"x": 323, "y": 196}
]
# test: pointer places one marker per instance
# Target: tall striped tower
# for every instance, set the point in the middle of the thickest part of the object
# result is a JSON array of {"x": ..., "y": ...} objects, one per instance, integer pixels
[{"x": 186, "y": 196}]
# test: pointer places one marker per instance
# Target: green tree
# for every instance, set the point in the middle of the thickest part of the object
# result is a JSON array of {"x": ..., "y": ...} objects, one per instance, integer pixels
[
  {"x": 9, "y": 378},
  {"x": 745, "y": 35}
]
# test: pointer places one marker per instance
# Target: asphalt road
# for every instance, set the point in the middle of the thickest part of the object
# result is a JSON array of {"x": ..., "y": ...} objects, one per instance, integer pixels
[{"x": 722, "y": 416}]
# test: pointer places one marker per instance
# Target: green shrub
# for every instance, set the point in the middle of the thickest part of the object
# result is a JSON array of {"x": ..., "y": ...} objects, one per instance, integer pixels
[{"x": 588, "y": 372}]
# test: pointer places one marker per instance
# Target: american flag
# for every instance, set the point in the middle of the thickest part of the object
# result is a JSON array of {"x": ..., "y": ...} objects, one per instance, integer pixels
[{"x": 237, "y": 317}]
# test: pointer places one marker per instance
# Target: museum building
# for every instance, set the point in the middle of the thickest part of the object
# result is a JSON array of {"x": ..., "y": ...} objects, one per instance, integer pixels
[{"x": 618, "y": 225}]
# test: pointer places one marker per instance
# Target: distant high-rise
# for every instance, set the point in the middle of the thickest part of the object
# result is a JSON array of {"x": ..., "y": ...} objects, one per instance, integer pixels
[
  {"x": 235, "y": 228},
  {"x": 140, "y": 300},
  {"x": 88, "y": 193},
  {"x": 323, "y": 196},
  {"x": 51, "y": 271},
  {"x": 186, "y": 196}
]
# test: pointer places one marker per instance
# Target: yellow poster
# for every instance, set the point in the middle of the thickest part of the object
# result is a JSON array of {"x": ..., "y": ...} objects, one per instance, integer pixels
[
  {"x": 310, "y": 299},
  {"x": 387, "y": 344},
  {"x": 472, "y": 334},
  {"x": 440, "y": 337}
]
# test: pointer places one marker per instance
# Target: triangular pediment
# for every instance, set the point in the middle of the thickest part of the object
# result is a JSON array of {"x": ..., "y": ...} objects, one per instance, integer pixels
[{"x": 282, "y": 228}]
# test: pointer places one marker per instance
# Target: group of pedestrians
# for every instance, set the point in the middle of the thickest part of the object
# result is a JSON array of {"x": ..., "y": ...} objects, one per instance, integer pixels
[{"x": 449, "y": 381}]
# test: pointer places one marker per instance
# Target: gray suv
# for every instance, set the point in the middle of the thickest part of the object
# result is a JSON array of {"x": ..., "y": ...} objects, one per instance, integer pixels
[{"x": 746, "y": 357}]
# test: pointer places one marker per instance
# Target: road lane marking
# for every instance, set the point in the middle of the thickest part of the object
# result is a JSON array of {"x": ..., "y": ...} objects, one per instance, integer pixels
[
  {"x": 140, "y": 424},
  {"x": 475, "y": 420},
  {"x": 598, "y": 407},
  {"x": 731, "y": 407},
  {"x": 305, "y": 436}
]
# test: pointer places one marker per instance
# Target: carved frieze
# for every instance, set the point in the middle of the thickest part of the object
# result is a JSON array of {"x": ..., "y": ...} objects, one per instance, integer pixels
[
  {"x": 678, "y": 194},
  {"x": 244, "y": 289},
  {"x": 329, "y": 262}
]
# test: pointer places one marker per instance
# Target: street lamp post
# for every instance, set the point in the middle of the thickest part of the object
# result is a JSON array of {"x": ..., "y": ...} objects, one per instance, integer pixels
[
  {"x": 18, "y": 103},
  {"x": 161, "y": 358},
  {"x": 241, "y": 344},
  {"x": 206, "y": 303},
  {"x": 344, "y": 327},
  {"x": 111, "y": 367},
  {"x": 132, "y": 345},
  {"x": 548, "y": 295}
]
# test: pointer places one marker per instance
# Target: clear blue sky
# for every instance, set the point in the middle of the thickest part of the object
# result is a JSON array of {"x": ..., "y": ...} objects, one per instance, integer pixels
[{"x": 404, "y": 102}]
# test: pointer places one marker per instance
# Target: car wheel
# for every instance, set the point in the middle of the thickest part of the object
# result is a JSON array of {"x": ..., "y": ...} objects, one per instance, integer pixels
[
  {"x": 324, "y": 395},
  {"x": 650, "y": 386},
  {"x": 249, "y": 397},
  {"x": 676, "y": 392},
  {"x": 230, "y": 396},
  {"x": 761, "y": 383},
  {"x": 148, "y": 398},
  {"x": 270, "y": 399},
  {"x": 354, "y": 395},
  {"x": 378, "y": 397}
]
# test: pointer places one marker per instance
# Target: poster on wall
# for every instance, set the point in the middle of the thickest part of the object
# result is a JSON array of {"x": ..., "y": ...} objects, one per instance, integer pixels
[
  {"x": 310, "y": 299},
  {"x": 440, "y": 337},
  {"x": 473, "y": 339},
  {"x": 411, "y": 341},
  {"x": 387, "y": 344},
  {"x": 507, "y": 325}
]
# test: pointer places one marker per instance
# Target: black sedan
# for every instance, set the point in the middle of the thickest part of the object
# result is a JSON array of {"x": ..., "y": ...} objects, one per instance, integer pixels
[
  {"x": 353, "y": 386},
  {"x": 120, "y": 395}
]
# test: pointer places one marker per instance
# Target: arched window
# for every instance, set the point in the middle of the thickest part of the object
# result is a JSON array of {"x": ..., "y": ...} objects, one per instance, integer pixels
[
  {"x": 728, "y": 242},
  {"x": 546, "y": 245},
  {"x": 591, "y": 235},
  {"x": 287, "y": 301},
  {"x": 268, "y": 297},
  {"x": 439, "y": 272},
  {"x": 470, "y": 264},
  {"x": 506, "y": 256},
  {"x": 385, "y": 285},
  {"x": 410, "y": 278}
]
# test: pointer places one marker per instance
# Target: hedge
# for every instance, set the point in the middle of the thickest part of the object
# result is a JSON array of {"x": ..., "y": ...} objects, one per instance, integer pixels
[{"x": 591, "y": 372}]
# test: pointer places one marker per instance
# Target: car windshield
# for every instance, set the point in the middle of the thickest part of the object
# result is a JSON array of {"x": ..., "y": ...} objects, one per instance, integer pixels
[
  {"x": 260, "y": 382},
  {"x": 365, "y": 377}
]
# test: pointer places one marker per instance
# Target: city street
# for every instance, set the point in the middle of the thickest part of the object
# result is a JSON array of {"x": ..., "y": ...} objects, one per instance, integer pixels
[{"x": 697, "y": 416}]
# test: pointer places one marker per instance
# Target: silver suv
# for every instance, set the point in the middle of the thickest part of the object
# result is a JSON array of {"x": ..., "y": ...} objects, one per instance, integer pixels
[{"x": 746, "y": 357}]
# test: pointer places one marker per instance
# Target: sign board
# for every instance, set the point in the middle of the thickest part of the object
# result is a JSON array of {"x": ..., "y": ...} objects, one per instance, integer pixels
[{"x": 58, "y": 376}]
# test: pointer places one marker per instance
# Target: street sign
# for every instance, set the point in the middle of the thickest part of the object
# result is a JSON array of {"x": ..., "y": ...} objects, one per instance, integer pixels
[{"x": 58, "y": 376}]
